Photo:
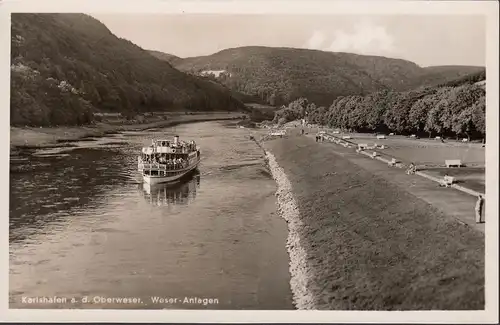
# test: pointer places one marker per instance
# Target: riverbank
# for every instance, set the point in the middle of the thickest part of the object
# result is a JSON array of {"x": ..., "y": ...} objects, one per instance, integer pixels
[
  {"x": 359, "y": 242},
  {"x": 76, "y": 217},
  {"x": 31, "y": 137}
]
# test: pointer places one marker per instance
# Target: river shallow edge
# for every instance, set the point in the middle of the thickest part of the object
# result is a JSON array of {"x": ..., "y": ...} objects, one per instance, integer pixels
[
  {"x": 288, "y": 210},
  {"x": 52, "y": 137},
  {"x": 216, "y": 235}
]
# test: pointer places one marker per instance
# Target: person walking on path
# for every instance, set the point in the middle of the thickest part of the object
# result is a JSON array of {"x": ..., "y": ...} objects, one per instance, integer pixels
[
  {"x": 411, "y": 169},
  {"x": 479, "y": 209}
]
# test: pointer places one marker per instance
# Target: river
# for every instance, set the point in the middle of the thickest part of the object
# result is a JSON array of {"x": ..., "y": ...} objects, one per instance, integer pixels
[{"x": 83, "y": 227}]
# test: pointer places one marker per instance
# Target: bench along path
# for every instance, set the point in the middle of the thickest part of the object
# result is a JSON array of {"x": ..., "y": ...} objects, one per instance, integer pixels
[
  {"x": 368, "y": 244},
  {"x": 386, "y": 158},
  {"x": 451, "y": 202}
]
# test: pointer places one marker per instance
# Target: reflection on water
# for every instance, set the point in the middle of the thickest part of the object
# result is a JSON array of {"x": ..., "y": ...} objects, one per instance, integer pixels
[
  {"x": 82, "y": 224},
  {"x": 181, "y": 192},
  {"x": 57, "y": 186}
]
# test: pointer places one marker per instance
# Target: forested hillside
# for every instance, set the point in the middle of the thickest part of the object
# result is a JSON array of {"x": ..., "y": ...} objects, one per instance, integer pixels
[
  {"x": 170, "y": 58},
  {"x": 281, "y": 75},
  {"x": 456, "y": 108},
  {"x": 64, "y": 67}
]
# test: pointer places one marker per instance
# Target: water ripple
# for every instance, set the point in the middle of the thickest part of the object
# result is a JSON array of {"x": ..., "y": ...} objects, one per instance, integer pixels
[{"x": 82, "y": 221}]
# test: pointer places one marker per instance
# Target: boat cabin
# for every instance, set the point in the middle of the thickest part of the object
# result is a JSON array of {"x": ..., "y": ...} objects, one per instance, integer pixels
[{"x": 170, "y": 154}]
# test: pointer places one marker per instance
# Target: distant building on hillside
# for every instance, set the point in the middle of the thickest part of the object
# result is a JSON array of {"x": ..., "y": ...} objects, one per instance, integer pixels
[{"x": 215, "y": 73}]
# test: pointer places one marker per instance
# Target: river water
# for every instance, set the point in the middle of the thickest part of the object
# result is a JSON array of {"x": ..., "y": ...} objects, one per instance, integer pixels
[{"x": 83, "y": 226}]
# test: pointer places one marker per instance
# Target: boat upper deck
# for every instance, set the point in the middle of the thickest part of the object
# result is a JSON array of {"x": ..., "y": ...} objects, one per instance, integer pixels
[{"x": 170, "y": 147}]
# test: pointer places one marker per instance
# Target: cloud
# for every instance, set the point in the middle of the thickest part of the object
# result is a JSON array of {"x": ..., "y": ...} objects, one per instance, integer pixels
[
  {"x": 366, "y": 38},
  {"x": 316, "y": 40}
]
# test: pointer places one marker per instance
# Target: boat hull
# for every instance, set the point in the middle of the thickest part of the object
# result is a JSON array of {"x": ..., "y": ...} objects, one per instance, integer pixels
[{"x": 157, "y": 179}]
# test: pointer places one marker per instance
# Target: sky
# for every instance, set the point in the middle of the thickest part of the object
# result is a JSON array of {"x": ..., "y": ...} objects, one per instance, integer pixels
[{"x": 427, "y": 40}]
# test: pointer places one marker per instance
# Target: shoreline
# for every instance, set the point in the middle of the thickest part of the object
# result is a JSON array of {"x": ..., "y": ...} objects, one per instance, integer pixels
[
  {"x": 53, "y": 137},
  {"x": 253, "y": 266},
  {"x": 338, "y": 215},
  {"x": 287, "y": 209}
]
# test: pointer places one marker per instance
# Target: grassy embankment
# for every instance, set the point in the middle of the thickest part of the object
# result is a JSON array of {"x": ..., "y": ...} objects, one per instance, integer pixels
[
  {"x": 56, "y": 136},
  {"x": 369, "y": 245}
]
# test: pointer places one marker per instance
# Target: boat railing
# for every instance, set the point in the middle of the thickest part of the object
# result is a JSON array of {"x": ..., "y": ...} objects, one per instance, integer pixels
[
  {"x": 157, "y": 166},
  {"x": 153, "y": 166},
  {"x": 167, "y": 150}
]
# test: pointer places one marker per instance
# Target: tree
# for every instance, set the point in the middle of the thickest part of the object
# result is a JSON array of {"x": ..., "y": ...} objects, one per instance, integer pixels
[
  {"x": 457, "y": 100},
  {"x": 479, "y": 115},
  {"x": 356, "y": 119},
  {"x": 391, "y": 116},
  {"x": 433, "y": 122},
  {"x": 417, "y": 116},
  {"x": 108, "y": 73},
  {"x": 463, "y": 124},
  {"x": 397, "y": 117},
  {"x": 375, "y": 105}
]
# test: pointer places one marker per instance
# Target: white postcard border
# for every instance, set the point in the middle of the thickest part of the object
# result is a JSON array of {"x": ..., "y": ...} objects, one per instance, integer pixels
[{"x": 300, "y": 7}]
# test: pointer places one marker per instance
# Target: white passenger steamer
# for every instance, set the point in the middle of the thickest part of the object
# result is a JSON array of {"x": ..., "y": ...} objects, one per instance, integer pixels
[{"x": 166, "y": 161}]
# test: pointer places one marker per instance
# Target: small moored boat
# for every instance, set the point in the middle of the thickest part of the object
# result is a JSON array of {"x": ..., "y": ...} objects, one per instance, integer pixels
[{"x": 166, "y": 161}]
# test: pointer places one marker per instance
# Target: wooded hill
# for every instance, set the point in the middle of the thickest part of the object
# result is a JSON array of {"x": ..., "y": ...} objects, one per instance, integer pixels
[
  {"x": 281, "y": 75},
  {"x": 455, "y": 108},
  {"x": 170, "y": 58},
  {"x": 65, "y": 67}
]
